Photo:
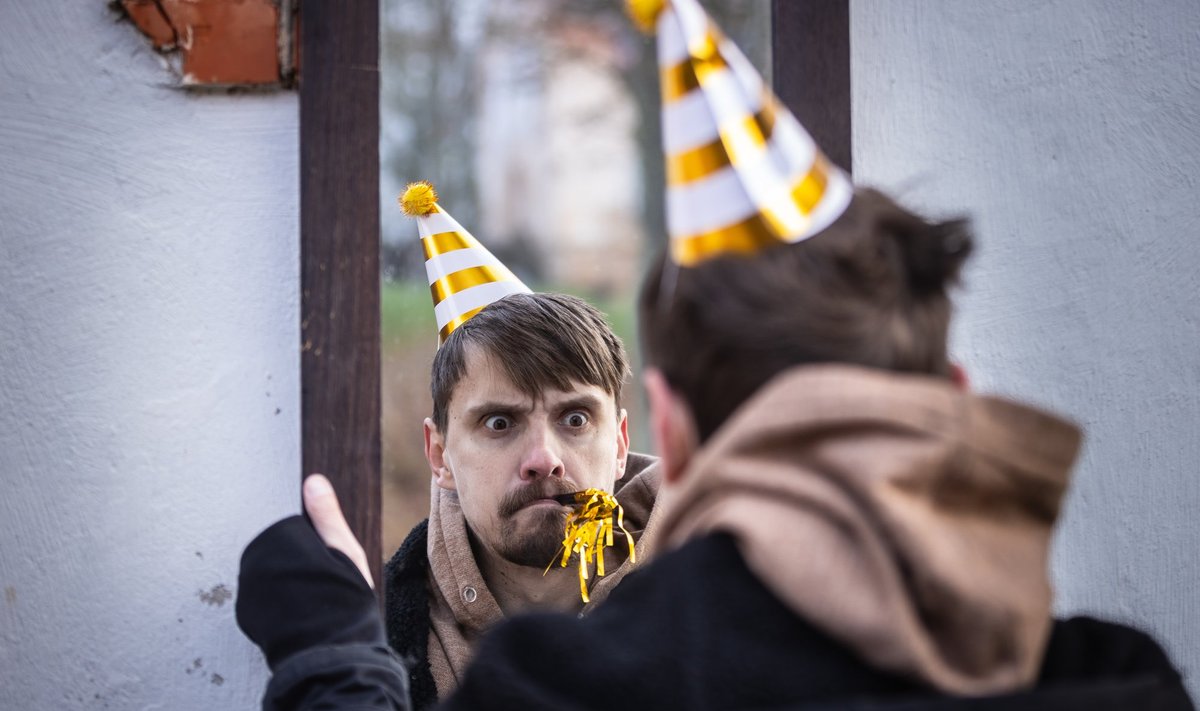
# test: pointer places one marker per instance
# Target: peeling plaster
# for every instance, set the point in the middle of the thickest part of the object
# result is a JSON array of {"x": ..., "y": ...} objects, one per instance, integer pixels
[
  {"x": 217, "y": 596},
  {"x": 196, "y": 668}
]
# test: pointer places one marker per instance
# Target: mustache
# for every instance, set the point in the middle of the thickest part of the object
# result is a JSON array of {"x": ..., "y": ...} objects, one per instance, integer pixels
[{"x": 548, "y": 488}]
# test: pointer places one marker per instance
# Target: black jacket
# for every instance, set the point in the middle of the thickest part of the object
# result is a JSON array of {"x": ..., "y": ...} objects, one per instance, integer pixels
[
  {"x": 698, "y": 631},
  {"x": 406, "y": 612},
  {"x": 694, "y": 631}
]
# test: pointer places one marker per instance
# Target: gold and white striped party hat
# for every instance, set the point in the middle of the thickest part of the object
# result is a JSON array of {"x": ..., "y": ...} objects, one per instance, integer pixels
[
  {"x": 742, "y": 173},
  {"x": 463, "y": 276}
]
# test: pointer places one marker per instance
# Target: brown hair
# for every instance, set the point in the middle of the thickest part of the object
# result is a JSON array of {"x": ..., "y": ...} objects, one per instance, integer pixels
[
  {"x": 869, "y": 290},
  {"x": 541, "y": 341}
]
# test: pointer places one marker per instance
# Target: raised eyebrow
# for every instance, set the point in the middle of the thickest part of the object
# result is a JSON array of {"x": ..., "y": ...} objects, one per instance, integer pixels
[
  {"x": 493, "y": 408},
  {"x": 590, "y": 403}
]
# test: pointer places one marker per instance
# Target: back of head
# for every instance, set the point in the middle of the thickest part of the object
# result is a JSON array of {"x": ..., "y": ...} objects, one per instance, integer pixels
[
  {"x": 869, "y": 290},
  {"x": 539, "y": 340}
]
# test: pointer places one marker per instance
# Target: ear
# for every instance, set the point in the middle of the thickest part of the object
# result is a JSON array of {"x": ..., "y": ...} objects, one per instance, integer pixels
[
  {"x": 435, "y": 454},
  {"x": 959, "y": 377},
  {"x": 671, "y": 424},
  {"x": 622, "y": 444}
]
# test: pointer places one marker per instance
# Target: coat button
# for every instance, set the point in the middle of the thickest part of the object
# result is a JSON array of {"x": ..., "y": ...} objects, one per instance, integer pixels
[{"x": 469, "y": 594}]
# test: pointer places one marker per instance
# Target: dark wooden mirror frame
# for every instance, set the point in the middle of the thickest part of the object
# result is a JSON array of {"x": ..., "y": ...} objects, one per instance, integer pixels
[
  {"x": 339, "y": 218},
  {"x": 339, "y": 256}
]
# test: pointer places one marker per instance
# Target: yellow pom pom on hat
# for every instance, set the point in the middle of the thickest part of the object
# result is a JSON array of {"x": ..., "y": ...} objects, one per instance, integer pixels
[
  {"x": 464, "y": 276},
  {"x": 742, "y": 173}
]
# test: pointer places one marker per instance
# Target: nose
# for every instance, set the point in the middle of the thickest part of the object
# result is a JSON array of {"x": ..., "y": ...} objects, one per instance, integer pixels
[{"x": 541, "y": 458}]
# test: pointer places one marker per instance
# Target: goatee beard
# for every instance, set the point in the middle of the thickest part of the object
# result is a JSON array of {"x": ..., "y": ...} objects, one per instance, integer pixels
[
  {"x": 540, "y": 541},
  {"x": 536, "y": 543}
]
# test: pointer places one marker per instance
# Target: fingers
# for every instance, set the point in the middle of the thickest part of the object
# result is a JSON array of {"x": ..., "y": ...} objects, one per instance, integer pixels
[{"x": 322, "y": 506}]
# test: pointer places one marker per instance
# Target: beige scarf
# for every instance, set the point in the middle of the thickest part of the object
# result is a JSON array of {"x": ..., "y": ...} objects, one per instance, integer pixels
[
  {"x": 462, "y": 608},
  {"x": 902, "y": 516}
]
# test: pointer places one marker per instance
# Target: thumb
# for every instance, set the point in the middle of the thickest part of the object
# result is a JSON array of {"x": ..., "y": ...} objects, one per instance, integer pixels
[{"x": 322, "y": 506}]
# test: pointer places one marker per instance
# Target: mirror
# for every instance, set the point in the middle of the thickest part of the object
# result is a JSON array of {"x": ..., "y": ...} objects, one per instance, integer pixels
[{"x": 538, "y": 121}]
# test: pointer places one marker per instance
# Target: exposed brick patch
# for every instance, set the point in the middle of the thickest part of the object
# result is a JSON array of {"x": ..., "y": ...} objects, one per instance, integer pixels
[{"x": 221, "y": 43}]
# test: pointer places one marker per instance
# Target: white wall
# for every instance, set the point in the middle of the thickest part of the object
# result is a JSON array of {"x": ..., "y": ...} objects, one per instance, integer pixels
[
  {"x": 149, "y": 377},
  {"x": 1070, "y": 129}
]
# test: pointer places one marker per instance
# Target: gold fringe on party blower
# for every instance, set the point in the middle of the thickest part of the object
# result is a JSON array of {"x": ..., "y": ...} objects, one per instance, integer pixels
[{"x": 589, "y": 530}]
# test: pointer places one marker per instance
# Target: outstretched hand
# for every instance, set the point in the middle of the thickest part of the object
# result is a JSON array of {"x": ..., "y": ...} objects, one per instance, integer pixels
[
  {"x": 321, "y": 504},
  {"x": 305, "y": 598}
]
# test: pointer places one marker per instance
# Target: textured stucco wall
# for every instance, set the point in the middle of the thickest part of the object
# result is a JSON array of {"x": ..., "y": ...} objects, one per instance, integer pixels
[
  {"x": 1070, "y": 129},
  {"x": 149, "y": 413}
]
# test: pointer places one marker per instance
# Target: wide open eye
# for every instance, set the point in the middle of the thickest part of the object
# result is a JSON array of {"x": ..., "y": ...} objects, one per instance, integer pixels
[
  {"x": 497, "y": 423},
  {"x": 575, "y": 419}
]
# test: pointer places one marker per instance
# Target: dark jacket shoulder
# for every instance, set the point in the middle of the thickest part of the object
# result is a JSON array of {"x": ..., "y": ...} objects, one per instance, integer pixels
[
  {"x": 697, "y": 630},
  {"x": 694, "y": 631}
]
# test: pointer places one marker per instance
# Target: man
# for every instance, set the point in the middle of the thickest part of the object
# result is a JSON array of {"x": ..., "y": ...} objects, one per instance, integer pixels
[
  {"x": 849, "y": 527},
  {"x": 526, "y": 406}
]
